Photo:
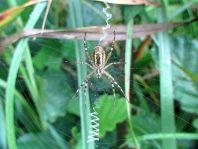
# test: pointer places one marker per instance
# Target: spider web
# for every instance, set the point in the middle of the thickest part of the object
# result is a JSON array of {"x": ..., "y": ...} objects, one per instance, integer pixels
[{"x": 97, "y": 87}]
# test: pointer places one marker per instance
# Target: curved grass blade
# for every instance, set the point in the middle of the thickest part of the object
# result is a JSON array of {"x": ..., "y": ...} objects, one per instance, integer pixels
[
  {"x": 28, "y": 73},
  {"x": 16, "y": 60}
]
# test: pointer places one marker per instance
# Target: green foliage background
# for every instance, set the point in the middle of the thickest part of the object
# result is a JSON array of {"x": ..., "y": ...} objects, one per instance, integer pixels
[{"x": 44, "y": 115}]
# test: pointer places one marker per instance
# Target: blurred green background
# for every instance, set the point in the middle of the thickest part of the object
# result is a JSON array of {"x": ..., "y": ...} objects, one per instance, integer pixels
[{"x": 39, "y": 77}]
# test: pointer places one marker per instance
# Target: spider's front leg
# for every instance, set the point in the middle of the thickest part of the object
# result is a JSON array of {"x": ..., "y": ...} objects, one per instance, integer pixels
[
  {"x": 114, "y": 63},
  {"x": 86, "y": 50},
  {"x": 83, "y": 63},
  {"x": 111, "y": 50}
]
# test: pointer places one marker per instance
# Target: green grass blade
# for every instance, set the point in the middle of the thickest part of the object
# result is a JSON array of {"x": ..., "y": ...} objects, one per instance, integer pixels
[
  {"x": 29, "y": 85},
  {"x": 16, "y": 60},
  {"x": 29, "y": 74},
  {"x": 128, "y": 58},
  {"x": 158, "y": 136},
  {"x": 76, "y": 18},
  {"x": 30, "y": 71},
  {"x": 166, "y": 86},
  {"x": 3, "y": 144}
]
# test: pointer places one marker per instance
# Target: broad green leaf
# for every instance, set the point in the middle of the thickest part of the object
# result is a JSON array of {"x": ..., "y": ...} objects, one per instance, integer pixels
[
  {"x": 76, "y": 136},
  {"x": 185, "y": 72},
  {"x": 51, "y": 53},
  {"x": 111, "y": 112},
  {"x": 42, "y": 140},
  {"x": 192, "y": 76},
  {"x": 56, "y": 94}
]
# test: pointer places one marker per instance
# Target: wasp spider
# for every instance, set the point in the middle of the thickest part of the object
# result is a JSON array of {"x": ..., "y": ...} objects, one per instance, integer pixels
[{"x": 98, "y": 63}]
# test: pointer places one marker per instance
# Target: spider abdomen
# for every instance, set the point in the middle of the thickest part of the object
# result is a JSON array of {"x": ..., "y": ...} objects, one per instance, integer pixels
[{"x": 99, "y": 57}]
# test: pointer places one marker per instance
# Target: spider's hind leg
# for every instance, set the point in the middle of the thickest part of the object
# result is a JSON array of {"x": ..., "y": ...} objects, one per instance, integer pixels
[
  {"x": 114, "y": 82},
  {"x": 84, "y": 84},
  {"x": 113, "y": 88}
]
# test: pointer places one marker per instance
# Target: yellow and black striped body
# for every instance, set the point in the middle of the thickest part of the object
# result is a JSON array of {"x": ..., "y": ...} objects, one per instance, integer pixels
[{"x": 99, "y": 59}]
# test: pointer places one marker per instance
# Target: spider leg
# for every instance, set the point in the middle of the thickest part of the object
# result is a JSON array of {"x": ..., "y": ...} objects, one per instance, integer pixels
[
  {"x": 111, "y": 50},
  {"x": 84, "y": 84},
  {"x": 114, "y": 82},
  {"x": 83, "y": 63},
  {"x": 86, "y": 50},
  {"x": 114, "y": 63}
]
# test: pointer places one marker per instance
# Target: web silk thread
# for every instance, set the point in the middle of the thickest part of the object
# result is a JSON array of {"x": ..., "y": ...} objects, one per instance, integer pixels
[
  {"x": 94, "y": 119},
  {"x": 107, "y": 26},
  {"x": 94, "y": 127}
]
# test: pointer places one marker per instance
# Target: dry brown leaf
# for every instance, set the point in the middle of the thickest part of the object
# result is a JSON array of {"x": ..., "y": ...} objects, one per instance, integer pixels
[
  {"x": 93, "y": 32},
  {"x": 7, "y": 16},
  {"x": 131, "y": 2}
]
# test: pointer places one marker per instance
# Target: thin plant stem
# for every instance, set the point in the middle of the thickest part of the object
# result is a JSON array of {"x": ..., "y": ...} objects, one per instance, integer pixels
[{"x": 128, "y": 57}]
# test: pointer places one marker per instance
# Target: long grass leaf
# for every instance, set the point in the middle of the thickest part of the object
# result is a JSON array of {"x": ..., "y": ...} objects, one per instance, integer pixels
[
  {"x": 28, "y": 73},
  {"x": 76, "y": 17},
  {"x": 3, "y": 144},
  {"x": 16, "y": 60},
  {"x": 31, "y": 78},
  {"x": 166, "y": 86},
  {"x": 159, "y": 136}
]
